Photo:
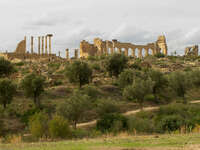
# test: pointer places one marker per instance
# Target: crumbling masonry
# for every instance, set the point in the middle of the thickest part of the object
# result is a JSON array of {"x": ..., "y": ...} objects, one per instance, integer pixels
[{"x": 101, "y": 47}]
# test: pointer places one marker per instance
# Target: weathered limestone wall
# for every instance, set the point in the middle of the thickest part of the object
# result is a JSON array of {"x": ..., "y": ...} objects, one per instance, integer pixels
[
  {"x": 193, "y": 50},
  {"x": 101, "y": 47},
  {"x": 21, "y": 47},
  {"x": 162, "y": 44},
  {"x": 87, "y": 49}
]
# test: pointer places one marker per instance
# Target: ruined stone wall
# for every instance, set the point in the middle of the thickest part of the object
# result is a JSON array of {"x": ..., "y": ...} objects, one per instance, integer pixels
[
  {"x": 162, "y": 44},
  {"x": 87, "y": 49},
  {"x": 192, "y": 51},
  {"x": 101, "y": 47},
  {"x": 21, "y": 47}
]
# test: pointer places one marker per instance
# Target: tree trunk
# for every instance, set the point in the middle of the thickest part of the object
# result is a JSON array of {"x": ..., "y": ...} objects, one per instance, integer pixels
[{"x": 4, "y": 105}]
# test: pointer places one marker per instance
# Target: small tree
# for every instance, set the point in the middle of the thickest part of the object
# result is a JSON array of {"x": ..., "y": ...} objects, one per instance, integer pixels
[
  {"x": 59, "y": 127},
  {"x": 7, "y": 91},
  {"x": 74, "y": 108},
  {"x": 115, "y": 64},
  {"x": 126, "y": 78},
  {"x": 139, "y": 90},
  {"x": 33, "y": 86},
  {"x": 180, "y": 83},
  {"x": 6, "y": 67},
  {"x": 160, "y": 82},
  {"x": 38, "y": 125},
  {"x": 79, "y": 72}
]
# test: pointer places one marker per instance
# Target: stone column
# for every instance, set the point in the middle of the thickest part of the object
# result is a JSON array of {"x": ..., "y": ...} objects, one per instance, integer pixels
[
  {"x": 76, "y": 53},
  {"x": 42, "y": 45},
  {"x": 67, "y": 53},
  {"x": 39, "y": 45},
  {"x": 59, "y": 53},
  {"x": 126, "y": 52},
  {"x": 146, "y": 52},
  {"x": 49, "y": 45},
  {"x": 46, "y": 52},
  {"x": 133, "y": 52},
  {"x": 140, "y": 53},
  {"x": 31, "y": 44},
  {"x": 119, "y": 50},
  {"x": 112, "y": 50}
]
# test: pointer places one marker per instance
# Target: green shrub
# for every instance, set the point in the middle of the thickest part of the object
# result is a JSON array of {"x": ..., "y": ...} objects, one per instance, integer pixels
[
  {"x": 25, "y": 117},
  {"x": 126, "y": 78},
  {"x": 59, "y": 127},
  {"x": 38, "y": 125},
  {"x": 20, "y": 63},
  {"x": 108, "y": 121},
  {"x": 141, "y": 125},
  {"x": 57, "y": 82},
  {"x": 96, "y": 66},
  {"x": 159, "y": 55},
  {"x": 91, "y": 91}
]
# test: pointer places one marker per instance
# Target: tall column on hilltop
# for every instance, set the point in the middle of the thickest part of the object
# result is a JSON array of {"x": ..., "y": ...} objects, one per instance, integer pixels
[
  {"x": 133, "y": 52},
  {"x": 39, "y": 45},
  {"x": 42, "y": 45},
  {"x": 126, "y": 52},
  {"x": 146, "y": 52},
  {"x": 76, "y": 53},
  {"x": 31, "y": 44},
  {"x": 140, "y": 53},
  {"x": 50, "y": 36},
  {"x": 46, "y": 52},
  {"x": 67, "y": 53}
]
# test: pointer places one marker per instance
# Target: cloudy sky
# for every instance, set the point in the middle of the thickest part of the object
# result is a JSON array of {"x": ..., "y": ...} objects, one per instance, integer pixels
[{"x": 137, "y": 21}]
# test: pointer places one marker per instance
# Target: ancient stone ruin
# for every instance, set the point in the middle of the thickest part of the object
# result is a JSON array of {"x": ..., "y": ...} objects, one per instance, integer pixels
[
  {"x": 101, "y": 47},
  {"x": 192, "y": 51},
  {"x": 44, "y": 43}
]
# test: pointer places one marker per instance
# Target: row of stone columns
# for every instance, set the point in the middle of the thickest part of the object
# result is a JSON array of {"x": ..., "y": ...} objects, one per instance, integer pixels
[
  {"x": 41, "y": 47},
  {"x": 75, "y": 53}
]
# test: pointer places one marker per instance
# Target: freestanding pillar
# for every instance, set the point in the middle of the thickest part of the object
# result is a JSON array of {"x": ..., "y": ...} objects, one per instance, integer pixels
[
  {"x": 46, "y": 52},
  {"x": 126, "y": 52},
  {"x": 42, "y": 45},
  {"x": 39, "y": 45},
  {"x": 31, "y": 44},
  {"x": 59, "y": 53},
  {"x": 49, "y": 45},
  {"x": 67, "y": 53},
  {"x": 76, "y": 53}
]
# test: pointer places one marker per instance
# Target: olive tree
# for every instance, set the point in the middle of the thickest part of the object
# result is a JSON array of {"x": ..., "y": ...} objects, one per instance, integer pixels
[
  {"x": 33, "y": 86},
  {"x": 139, "y": 90},
  {"x": 7, "y": 91},
  {"x": 115, "y": 64},
  {"x": 74, "y": 108},
  {"x": 79, "y": 72},
  {"x": 6, "y": 67}
]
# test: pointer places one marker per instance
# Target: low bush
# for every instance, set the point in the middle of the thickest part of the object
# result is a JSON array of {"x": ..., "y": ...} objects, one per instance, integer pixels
[
  {"x": 59, "y": 127},
  {"x": 38, "y": 125},
  {"x": 112, "y": 123}
]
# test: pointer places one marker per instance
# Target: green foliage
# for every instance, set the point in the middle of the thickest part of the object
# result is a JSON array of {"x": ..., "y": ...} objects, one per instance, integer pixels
[
  {"x": 20, "y": 64},
  {"x": 115, "y": 64},
  {"x": 25, "y": 117},
  {"x": 194, "y": 77},
  {"x": 141, "y": 125},
  {"x": 96, "y": 66},
  {"x": 57, "y": 82},
  {"x": 59, "y": 127},
  {"x": 126, "y": 78},
  {"x": 112, "y": 122},
  {"x": 74, "y": 108},
  {"x": 160, "y": 83},
  {"x": 91, "y": 91},
  {"x": 7, "y": 91},
  {"x": 159, "y": 55},
  {"x": 6, "y": 67},
  {"x": 107, "y": 106},
  {"x": 79, "y": 72},
  {"x": 180, "y": 83},
  {"x": 38, "y": 125},
  {"x": 33, "y": 86},
  {"x": 138, "y": 90}
]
